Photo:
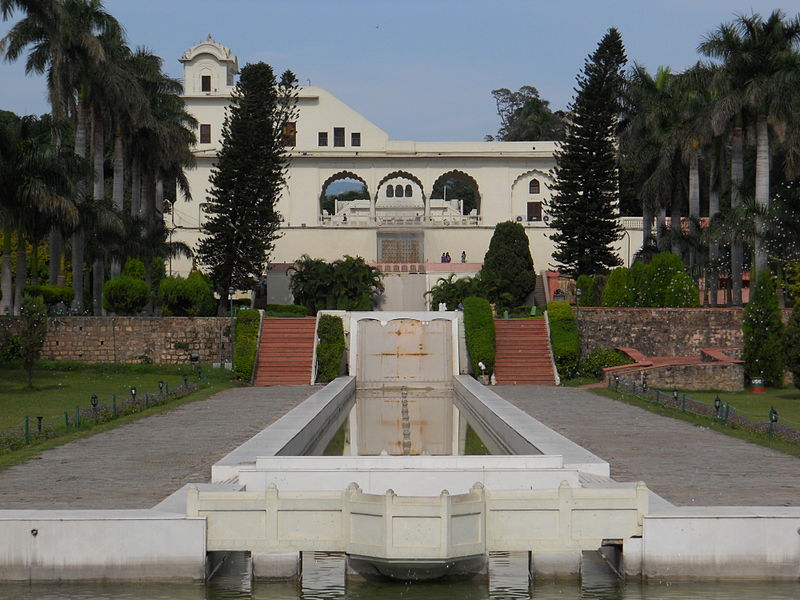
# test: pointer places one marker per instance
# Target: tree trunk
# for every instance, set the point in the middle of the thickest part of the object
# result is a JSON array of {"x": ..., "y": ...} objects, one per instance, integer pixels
[
  {"x": 661, "y": 220},
  {"x": 6, "y": 278},
  {"x": 22, "y": 272},
  {"x": 675, "y": 227},
  {"x": 98, "y": 271},
  {"x": 762, "y": 192},
  {"x": 647, "y": 224},
  {"x": 77, "y": 236},
  {"x": 148, "y": 198},
  {"x": 713, "y": 246},
  {"x": 35, "y": 262},
  {"x": 694, "y": 209},
  {"x": 98, "y": 156},
  {"x": 136, "y": 187},
  {"x": 159, "y": 200},
  {"x": 737, "y": 176},
  {"x": 118, "y": 193}
]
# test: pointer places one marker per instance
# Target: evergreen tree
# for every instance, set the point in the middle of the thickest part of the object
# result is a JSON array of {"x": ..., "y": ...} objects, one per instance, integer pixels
[
  {"x": 586, "y": 195},
  {"x": 762, "y": 330},
  {"x": 507, "y": 275},
  {"x": 247, "y": 179}
]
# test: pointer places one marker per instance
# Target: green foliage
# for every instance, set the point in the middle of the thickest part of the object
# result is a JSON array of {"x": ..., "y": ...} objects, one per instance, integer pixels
[
  {"x": 51, "y": 294},
  {"x": 330, "y": 348},
  {"x": 791, "y": 344},
  {"x": 248, "y": 323},
  {"x": 524, "y": 116},
  {"x": 602, "y": 358},
  {"x": 33, "y": 332},
  {"x": 249, "y": 173},
  {"x": 762, "y": 330},
  {"x": 348, "y": 283},
  {"x": 618, "y": 290},
  {"x": 479, "y": 331},
  {"x": 125, "y": 295},
  {"x": 639, "y": 280},
  {"x": 11, "y": 349},
  {"x": 134, "y": 268},
  {"x": 452, "y": 290},
  {"x": 591, "y": 289},
  {"x": 507, "y": 276},
  {"x": 670, "y": 284},
  {"x": 585, "y": 193},
  {"x": 564, "y": 339},
  {"x": 190, "y": 297},
  {"x": 285, "y": 310}
]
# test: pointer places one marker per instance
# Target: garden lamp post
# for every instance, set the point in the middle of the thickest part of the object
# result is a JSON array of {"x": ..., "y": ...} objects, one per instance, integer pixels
[
  {"x": 717, "y": 404},
  {"x": 133, "y": 393},
  {"x": 773, "y": 419},
  {"x": 94, "y": 401},
  {"x": 230, "y": 298},
  {"x": 161, "y": 388}
]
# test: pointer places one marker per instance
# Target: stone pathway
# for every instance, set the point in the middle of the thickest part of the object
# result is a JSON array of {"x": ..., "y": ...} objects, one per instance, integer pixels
[
  {"x": 139, "y": 464},
  {"x": 683, "y": 463}
]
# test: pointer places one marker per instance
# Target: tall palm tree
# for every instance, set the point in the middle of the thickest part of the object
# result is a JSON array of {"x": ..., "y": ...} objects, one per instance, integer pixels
[{"x": 760, "y": 76}]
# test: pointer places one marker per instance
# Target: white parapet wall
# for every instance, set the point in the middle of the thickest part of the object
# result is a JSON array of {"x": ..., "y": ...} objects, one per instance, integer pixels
[{"x": 119, "y": 545}]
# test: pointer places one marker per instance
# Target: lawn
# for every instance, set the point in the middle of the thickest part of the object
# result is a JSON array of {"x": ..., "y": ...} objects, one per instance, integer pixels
[
  {"x": 756, "y": 406},
  {"x": 61, "y": 387}
]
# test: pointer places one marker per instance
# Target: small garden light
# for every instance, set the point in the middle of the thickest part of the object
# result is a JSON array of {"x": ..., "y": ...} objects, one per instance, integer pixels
[
  {"x": 133, "y": 393},
  {"x": 773, "y": 415},
  {"x": 185, "y": 380},
  {"x": 644, "y": 383},
  {"x": 160, "y": 387},
  {"x": 675, "y": 394},
  {"x": 717, "y": 404},
  {"x": 94, "y": 400}
]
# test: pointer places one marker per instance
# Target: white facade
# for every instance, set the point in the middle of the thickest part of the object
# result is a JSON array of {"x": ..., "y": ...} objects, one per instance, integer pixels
[{"x": 333, "y": 142}]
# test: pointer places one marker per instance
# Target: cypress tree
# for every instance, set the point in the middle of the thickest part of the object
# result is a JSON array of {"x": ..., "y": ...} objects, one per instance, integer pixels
[
  {"x": 762, "y": 329},
  {"x": 507, "y": 275},
  {"x": 247, "y": 180},
  {"x": 586, "y": 192}
]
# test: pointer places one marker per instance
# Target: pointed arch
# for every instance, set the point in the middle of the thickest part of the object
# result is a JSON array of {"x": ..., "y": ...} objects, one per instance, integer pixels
[
  {"x": 337, "y": 177},
  {"x": 463, "y": 176},
  {"x": 543, "y": 177}
]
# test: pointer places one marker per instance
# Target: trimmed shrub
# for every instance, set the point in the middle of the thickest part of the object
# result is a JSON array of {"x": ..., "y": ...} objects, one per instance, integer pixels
[
  {"x": 286, "y": 310},
  {"x": 602, "y": 358},
  {"x": 190, "y": 297},
  {"x": 479, "y": 331},
  {"x": 762, "y": 330},
  {"x": 791, "y": 344},
  {"x": 670, "y": 284},
  {"x": 51, "y": 294},
  {"x": 134, "y": 268},
  {"x": 507, "y": 275},
  {"x": 330, "y": 348},
  {"x": 618, "y": 290},
  {"x": 639, "y": 282},
  {"x": 564, "y": 339},
  {"x": 248, "y": 323},
  {"x": 125, "y": 295}
]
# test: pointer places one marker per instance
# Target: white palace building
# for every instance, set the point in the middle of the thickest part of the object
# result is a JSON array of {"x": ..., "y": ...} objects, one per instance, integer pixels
[{"x": 401, "y": 227}]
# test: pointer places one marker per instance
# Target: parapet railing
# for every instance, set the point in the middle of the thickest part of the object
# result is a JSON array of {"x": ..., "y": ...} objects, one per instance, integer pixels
[{"x": 420, "y": 527}]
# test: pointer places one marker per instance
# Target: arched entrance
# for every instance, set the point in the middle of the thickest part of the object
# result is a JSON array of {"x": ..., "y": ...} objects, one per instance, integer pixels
[
  {"x": 457, "y": 191},
  {"x": 344, "y": 194}
]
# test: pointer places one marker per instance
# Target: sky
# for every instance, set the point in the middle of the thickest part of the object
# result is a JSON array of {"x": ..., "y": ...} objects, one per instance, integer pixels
[{"x": 419, "y": 69}]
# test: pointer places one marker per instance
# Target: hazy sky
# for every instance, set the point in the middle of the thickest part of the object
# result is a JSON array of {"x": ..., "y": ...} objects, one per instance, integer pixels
[{"x": 419, "y": 69}]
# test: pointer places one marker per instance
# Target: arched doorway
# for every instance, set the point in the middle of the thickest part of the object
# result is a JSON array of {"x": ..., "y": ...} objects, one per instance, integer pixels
[
  {"x": 344, "y": 194},
  {"x": 457, "y": 191}
]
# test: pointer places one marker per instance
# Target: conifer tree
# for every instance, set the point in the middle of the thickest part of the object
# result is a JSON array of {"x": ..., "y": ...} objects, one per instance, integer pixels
[
  {"x": 247, "y": 180},
  {"x": 507, "y": 275},
  {"x": 586, "y": 195},
  {"x": 762, "y": 330}
]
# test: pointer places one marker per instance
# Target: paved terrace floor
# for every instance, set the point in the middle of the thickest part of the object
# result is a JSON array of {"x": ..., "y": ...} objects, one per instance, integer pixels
[
  {"x": 139, "y": 464},
  {"x": 683, "y": 463}
]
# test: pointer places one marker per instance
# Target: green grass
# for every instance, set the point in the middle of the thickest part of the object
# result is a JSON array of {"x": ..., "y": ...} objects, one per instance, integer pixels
[
  {"x": 474, "y": 444},
  {"x": 758, "y": 438},
  {"x": 756, "y": 406},
  {"x": 61, "y": 387}
]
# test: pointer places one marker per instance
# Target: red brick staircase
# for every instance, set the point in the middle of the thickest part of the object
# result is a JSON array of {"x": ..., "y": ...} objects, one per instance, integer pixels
[
  {"x": 285, "y": 351},
  {"x": 522, "y": 355}
]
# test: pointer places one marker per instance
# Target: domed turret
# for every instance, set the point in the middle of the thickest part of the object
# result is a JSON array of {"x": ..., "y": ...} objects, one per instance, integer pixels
[{"x": 208, "y": 68}]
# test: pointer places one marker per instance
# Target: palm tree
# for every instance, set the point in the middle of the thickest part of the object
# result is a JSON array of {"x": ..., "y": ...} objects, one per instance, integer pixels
[{"x": 759, "y": 78}]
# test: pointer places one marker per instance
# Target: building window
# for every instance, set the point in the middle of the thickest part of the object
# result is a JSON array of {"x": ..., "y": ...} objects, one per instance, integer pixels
[
  {"x": 338, "y": 137},
  {"x": 205, "y": 133},
  {"x": 205, "y": 83},
  {"x": 322, "y": 138},
  {"x": 290, "y": 134},
  {"x": 355, "y": 139},
  {"x": 533, "y": 187},
  {"x": 408, "y": 191},
  {"x": 389, "y": 191},
  {"x": 398, "y": 191},
  {"x": 534, "y": 211}
]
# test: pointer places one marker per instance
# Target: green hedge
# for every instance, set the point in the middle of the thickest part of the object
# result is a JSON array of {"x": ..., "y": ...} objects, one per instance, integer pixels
[
  {"x": 603, "y": 358},
  {"x": 330, "y": 347},
  {"x": 286, "y": 310},
  {"x": 51, "y": 294},
  {"x": 125, "y": 295},
  {"x": 479, "y": 329},
  {"x": 248, "y": 322},
  {"x": 190, "y": 297},
  {"x": 564, "y": 339}
]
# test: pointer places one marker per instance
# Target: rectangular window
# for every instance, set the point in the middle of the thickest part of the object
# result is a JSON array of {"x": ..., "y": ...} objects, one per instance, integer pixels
[
  {"x": 534, "y": 211},
  {"x": 290, "y": 134},
  {"x": 355, "y": 139},
  {"x": 322, "y": 138},
  {"x": 205, "y": 82},
  {"x": 205, "y": 134},
  {"x": 338, "y": 136}
]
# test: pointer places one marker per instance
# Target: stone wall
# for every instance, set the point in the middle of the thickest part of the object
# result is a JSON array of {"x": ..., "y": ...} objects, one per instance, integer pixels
[
  {"x": 727, "y": 377},
  {"x": 160, "y": 340}
]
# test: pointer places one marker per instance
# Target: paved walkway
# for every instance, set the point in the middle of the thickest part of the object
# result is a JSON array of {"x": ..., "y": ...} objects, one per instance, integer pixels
[
  {"x": 683, "y": 463},
  {"x": 139, "y": 464}
]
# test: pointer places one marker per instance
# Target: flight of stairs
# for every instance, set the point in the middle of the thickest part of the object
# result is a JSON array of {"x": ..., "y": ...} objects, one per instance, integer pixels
[
  {"x": 285, "y": 351},
  {"x": 522, "y": 354}
]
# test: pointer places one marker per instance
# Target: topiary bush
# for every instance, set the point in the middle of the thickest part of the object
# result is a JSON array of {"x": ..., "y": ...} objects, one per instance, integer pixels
[
  {"x": 125, "y": 295},
  {"x": 602, "y": 358},
  {"x": 248, "y": 323},
  {"x": 791, "y": 344},
  {"x": 564, "y": 339},
  {"x": 479, "y": 331},
  {"x": 51, "y": 294},
  {"x": 762, "y": 330},
  {"x": 330, "y": 348},
  {"x": 670, "y": 285},
  {"x": 190, "y": 297},
  {"x": 618, "y": 290},
  {"x": 134, "y": 268},
  {"x": 507, "y": 275}
]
